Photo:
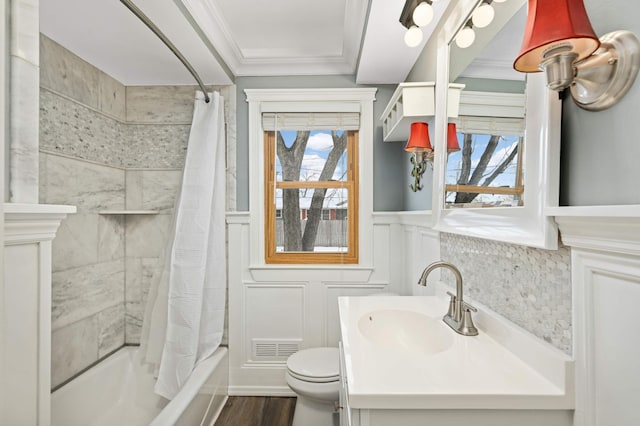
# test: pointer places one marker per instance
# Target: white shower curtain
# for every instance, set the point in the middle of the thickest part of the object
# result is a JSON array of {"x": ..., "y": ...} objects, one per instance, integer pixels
[{"x": 184, "y": 319}]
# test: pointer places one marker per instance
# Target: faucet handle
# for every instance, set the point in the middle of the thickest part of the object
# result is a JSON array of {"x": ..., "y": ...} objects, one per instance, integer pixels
[
  {"x": 453, "y": 296},
  {"x": 467, "y": 307}
]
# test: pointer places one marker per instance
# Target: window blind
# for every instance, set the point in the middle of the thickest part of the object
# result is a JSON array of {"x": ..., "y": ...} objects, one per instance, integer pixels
[
  {"x": 501, "y": 126},
  {"x": 310, "y": 121}
]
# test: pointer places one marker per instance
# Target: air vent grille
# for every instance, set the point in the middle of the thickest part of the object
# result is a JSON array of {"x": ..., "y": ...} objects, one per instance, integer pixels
[{"x": 271, "y": 349}]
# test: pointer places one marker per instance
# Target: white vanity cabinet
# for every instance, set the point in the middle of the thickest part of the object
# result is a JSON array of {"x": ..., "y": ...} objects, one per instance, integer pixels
[{"x": 502, "y": 377}]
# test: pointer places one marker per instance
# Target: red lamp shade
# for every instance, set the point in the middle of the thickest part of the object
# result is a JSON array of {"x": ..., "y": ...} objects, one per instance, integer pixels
[
  {"x": 562, "y": 25},
  {"x": 452, "y": 138},
  {"x": 419, "y": 138}
]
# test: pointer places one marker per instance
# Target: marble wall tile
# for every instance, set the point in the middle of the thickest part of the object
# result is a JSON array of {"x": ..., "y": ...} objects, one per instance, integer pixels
[
  {"x": 111, "y": 329},
  {"x": 133, "y": 283},
  {"x": 65, "y": 73},
  {"x": 72, "y": 129},
  {"x": 162, "y": 104},
  {"x": 111, "y": 244},
  {"x": 73, "y": 348},
  {"x": 25, "y": 21},
  {"x": 151, "y": 270},
  {"x": 134, "y": 313},
  {"x": 80, "y": 292},
  {"x": 152, "y": 189},
  {"x": 530, "y": 287},
  {"x": 156, "y": 146},
  {"x": 147, "y": 236},
  {"x": 42, "y": 177},
  {"x": 23, "y": 128},
  {"x": 111, "y": 97},
  {"x": 76, "y": 242},
  {"x": 90, "y": 187},
  {"x": 133, "y": 189}
]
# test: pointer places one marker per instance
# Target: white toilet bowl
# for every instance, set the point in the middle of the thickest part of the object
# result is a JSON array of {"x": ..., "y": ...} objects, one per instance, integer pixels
[{"x": 314, "y": 375}]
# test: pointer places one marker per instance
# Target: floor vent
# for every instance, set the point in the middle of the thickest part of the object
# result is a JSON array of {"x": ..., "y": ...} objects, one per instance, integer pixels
[{"x": 270, "y": 349}]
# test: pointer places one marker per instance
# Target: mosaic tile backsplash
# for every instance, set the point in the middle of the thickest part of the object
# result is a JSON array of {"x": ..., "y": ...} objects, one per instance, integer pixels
[{"x": 530, "y": 287}]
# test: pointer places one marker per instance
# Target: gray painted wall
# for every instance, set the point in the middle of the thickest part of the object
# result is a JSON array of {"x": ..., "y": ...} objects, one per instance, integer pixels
[
  {"x": 600, "y": 150},
  {"x": 388, "y": 157}
]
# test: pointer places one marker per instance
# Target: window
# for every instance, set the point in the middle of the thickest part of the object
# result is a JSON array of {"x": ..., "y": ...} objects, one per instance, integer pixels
[{"x": 311, "y": 191}]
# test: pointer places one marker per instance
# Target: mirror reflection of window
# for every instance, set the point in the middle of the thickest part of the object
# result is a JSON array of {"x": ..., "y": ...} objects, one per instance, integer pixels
[{"x": 488, "y": 170}]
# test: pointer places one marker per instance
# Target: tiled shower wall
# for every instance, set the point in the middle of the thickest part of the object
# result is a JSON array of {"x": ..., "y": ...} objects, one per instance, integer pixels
[
  {"x": 104, "y": 146},
  {"x": 530, "y": 287}
]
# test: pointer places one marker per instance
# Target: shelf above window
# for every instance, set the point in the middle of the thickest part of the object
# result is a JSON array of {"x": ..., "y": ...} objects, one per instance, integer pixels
[{"x": 414, "y": 102}]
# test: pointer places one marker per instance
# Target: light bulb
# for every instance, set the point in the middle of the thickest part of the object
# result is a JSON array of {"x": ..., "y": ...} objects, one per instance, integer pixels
[
  {"x": 413, "y": 36},
  {"x": 422, "y": 14},
  {"x": 465, "y": 37},
  {"x": 483, "y": 15}
]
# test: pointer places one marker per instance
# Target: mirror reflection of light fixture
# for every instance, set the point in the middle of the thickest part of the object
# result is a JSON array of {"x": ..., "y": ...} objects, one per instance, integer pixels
[
  {"x": 452, "y": 138},
  {"x": 466, "y": 36},
  {"x": 560, "y": 41},
  {"x": 483, "y": 15},
  {"x": 415, "y": 14},
  {"x": 419, "y": 145}
]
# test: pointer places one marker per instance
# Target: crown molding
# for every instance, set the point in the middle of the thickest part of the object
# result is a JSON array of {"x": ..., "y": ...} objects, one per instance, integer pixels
[
  {"x": 603, "y": 228},
  {"x": 209, "y": 20}
]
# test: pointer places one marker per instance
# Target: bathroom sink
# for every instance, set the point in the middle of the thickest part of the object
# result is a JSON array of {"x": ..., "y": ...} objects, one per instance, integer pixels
[{"x": 405, "y": 331}]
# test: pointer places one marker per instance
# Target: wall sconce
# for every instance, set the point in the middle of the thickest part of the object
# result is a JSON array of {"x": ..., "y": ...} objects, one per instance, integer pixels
[
  {"x": 419, "y": 145},
  {"x": 415, "y": 14},
  {"x": 560, "y": 41}
]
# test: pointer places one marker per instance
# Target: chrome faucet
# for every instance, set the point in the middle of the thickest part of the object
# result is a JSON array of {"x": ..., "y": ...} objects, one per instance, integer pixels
[{"x": 459, "y": 315}]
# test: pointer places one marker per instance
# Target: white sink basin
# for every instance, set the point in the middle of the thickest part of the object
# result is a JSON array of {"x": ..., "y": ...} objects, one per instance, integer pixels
[{"x": 405, "y": 331}]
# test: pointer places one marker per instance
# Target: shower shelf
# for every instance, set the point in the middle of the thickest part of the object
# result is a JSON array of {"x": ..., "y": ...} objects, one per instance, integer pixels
[{"x": 128, "y": 212}]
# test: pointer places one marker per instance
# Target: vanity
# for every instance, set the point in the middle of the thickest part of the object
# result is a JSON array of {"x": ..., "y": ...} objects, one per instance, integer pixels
[{"x": 402, "y": 365}]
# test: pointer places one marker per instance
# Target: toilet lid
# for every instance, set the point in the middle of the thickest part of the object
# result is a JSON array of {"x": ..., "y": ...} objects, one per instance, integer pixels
[{"x": 315, "y": 365}]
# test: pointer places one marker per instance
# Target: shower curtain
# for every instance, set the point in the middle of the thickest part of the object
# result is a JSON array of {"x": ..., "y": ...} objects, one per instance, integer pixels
[{"x": 184, "y": 318}]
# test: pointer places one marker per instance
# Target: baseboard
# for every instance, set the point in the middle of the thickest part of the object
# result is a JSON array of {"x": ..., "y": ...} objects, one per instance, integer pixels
[{"x": 260, "y": 391}]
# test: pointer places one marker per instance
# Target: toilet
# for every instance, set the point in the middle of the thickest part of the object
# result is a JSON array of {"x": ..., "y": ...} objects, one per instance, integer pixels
[{"x": 314, "y": 375}]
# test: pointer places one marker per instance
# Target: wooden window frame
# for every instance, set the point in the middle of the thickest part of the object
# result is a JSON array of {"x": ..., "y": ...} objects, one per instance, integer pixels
[{"x": 351, "y": 184}]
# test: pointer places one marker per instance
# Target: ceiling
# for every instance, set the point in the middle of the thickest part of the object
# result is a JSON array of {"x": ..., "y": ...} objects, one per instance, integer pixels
[{"x": 224, "y": 39}]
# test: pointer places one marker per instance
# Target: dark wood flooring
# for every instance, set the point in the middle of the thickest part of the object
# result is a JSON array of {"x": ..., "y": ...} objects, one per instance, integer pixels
[{"x": 257, "y": 411}]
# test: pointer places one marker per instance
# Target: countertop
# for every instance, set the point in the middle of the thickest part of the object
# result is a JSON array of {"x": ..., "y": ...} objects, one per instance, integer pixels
[{"x": 503, "y": 367}]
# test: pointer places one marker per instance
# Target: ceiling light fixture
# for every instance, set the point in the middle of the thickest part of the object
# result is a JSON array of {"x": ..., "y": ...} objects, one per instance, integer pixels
[
  {"x": 560, "y": 41},
  {"x": 415, "y": 14}
]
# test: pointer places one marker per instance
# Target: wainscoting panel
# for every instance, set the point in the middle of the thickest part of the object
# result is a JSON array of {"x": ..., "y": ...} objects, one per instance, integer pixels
[{"x": 607, "y": 293}]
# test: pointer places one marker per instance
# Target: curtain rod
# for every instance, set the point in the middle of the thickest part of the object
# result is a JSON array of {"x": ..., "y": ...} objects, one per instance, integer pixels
[{"x": 145, "y": 20}]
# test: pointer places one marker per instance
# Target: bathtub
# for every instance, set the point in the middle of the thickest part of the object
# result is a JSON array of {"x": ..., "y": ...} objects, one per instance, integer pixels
[{"x": 119, "y": 391}]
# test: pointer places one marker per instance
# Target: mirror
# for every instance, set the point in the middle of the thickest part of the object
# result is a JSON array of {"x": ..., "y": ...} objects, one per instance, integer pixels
[
  {"x": 488, "y": 169},
  {"x": 505, "y": 174}
]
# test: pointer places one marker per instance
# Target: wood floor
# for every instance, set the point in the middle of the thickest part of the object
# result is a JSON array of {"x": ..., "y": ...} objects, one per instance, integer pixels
[{"x": 257, "y": 411}]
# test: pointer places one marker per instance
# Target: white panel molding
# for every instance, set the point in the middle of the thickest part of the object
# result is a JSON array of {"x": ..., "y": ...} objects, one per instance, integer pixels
[
  {"x": 293, "y": 273},
  {"x": 605, "y": 253},
  {"x": 590, "y": 270},
  {"x": 25, "y": 305}
]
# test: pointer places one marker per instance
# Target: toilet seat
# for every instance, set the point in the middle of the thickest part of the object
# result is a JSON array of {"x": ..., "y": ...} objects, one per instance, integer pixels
[{"x": 316, "y": 365}]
